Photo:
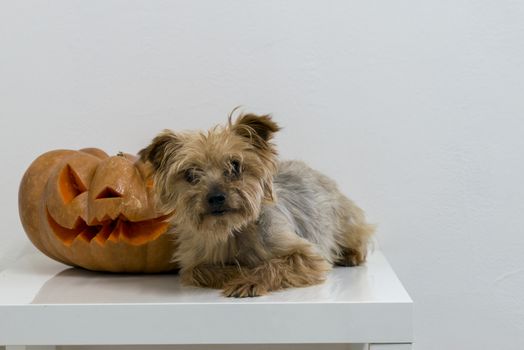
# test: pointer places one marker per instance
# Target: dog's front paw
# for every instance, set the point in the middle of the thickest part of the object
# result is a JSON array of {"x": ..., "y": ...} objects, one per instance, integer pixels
[{"x": 244, "y": 289}]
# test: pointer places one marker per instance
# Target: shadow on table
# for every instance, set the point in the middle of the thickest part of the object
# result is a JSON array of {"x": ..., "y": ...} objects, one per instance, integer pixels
[{"x": 77, "y": 286}]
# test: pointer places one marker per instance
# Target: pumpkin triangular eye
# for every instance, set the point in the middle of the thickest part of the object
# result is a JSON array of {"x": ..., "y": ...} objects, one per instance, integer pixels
[
  {"x": 108, "y": 192},
  {"x": 70, "y": 184}
]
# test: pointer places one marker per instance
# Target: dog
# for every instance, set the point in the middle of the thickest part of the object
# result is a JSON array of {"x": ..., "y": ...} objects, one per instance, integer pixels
[{"x": 246, "y": 222}]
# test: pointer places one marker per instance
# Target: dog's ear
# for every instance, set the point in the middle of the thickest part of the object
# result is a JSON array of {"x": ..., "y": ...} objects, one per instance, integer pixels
[
  {"x": 163, "y": 146},
  {"x": 258, "y": 129}
]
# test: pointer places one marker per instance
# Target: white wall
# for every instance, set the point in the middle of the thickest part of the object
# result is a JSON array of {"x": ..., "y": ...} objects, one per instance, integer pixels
[{"x": 415, "y": 107}]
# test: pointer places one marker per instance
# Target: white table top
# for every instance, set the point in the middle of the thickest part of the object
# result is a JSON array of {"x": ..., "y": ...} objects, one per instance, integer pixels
[{"x": 46, "y": 303}]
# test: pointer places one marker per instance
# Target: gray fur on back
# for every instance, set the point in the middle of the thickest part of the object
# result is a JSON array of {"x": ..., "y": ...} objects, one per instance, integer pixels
[{"x": 308, "y": 203}]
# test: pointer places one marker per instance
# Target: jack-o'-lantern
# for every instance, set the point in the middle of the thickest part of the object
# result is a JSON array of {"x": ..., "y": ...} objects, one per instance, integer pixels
[{"x": 85, "y": 208}]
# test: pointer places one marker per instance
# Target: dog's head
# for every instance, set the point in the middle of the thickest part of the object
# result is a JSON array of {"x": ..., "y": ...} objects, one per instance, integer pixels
[{"x": 215, "y": 181}]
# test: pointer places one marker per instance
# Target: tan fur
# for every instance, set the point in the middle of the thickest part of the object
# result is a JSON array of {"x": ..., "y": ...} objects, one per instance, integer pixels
[
  {"x": 354, "y": 240},
  {"x": 246, "y": 245}
]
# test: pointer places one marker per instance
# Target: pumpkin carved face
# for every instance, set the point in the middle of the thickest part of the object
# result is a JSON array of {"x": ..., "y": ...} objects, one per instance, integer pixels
[{"x": 87, "y": 209}]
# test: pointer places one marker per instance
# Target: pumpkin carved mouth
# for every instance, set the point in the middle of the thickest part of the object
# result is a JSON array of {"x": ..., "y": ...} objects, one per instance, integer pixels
[{"x": 121, "y": 229}]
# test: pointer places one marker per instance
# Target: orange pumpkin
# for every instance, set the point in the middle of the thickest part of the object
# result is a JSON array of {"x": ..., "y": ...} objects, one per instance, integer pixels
[{"x": 87, "y": 209}]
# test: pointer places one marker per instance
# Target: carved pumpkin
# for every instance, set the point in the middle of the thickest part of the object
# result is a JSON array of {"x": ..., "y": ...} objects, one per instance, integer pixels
[{"x": 85, "y": 208}]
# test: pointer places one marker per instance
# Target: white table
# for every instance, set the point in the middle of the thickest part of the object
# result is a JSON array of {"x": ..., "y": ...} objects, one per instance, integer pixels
[{"x": 45, "y": 303}]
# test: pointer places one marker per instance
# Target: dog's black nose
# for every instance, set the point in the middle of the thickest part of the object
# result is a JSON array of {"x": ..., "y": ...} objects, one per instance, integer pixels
[{"x": 216, "y": 199}]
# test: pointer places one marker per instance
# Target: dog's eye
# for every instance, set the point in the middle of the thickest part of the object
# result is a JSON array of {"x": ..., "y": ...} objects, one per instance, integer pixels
[
  {"x": 235, "y": 168},
  {"x": 191, "y": 176}
]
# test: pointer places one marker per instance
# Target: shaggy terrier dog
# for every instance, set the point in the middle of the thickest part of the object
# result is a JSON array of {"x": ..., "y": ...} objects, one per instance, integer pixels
[{"x": 246, "y": 222}]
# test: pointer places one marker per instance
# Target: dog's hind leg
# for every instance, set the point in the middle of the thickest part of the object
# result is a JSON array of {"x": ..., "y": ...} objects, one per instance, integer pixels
[{"x": 353, "y": 236}]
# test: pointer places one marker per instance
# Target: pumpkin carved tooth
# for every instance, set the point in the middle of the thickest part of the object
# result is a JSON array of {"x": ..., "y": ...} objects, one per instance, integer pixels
[
  {"x": 104, "y": 233},
  {"x": 87, "y": 235},
  {"x": 87, "y": 209},
  {"x": 115, "y": 235},
  {"x": 101, "y": 221}
]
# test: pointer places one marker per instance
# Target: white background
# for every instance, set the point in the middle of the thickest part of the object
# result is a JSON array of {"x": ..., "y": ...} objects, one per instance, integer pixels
[{"x": 414, "y": 107}]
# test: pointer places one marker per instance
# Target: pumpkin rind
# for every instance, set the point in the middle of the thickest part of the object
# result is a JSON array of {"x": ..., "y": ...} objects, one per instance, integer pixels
[{"x": 87, "y": 209}]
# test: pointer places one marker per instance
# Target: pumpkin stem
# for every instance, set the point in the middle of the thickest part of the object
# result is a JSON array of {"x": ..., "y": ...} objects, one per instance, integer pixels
[{"x": 120, "y": 154}]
